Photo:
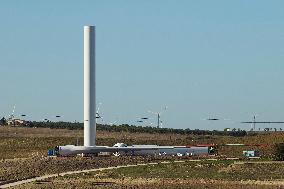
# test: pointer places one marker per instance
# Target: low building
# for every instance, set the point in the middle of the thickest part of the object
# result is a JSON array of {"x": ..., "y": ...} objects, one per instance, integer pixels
[{"x": 16, "y": 122}]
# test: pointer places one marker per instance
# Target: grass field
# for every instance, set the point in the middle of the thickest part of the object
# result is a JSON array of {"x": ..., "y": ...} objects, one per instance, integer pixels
[
  {"x": 23, "y": 155},
  {"x": 18, "y": 169},
  {"x": 197, "y": 175},
  {"x": 19, "y": 142}
]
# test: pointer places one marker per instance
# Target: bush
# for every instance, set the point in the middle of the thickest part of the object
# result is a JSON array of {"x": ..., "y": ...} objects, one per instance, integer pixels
[{"x": 279, "y": 152}]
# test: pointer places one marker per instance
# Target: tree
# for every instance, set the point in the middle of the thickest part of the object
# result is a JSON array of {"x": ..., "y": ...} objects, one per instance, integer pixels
[
  {"x": 3, "y": 121},
  {"x": 279, "y": 152}
]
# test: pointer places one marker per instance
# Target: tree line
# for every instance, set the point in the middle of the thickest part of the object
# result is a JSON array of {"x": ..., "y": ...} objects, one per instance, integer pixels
[{"x": 133, "y": 128}]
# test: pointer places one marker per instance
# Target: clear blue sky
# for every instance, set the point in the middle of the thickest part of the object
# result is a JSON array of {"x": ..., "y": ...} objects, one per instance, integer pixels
[{"x": 202, "y": 59}]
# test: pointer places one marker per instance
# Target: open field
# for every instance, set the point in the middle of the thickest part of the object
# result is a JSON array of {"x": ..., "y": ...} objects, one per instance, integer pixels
[
  {"x": 20, "y": 142},
  {"x": 19, "y": 169},
  {"x": 23, "y": 155},
  {"x": 197, "y": 175}
]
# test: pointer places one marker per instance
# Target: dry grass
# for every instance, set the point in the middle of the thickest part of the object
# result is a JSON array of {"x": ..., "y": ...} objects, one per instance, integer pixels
[
  {"x": 47, "y": 132},
  {"x": 31, "y": 144},
  {"x": 20, "y": 142},
  {"x": 12, "y": 170},
  {"x": 196, "y": 175},
  {"x": 149, "y": 184}
]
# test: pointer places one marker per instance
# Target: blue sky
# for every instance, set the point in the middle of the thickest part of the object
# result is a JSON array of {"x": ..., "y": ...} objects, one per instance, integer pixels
[{"x": 201, "y": 59}]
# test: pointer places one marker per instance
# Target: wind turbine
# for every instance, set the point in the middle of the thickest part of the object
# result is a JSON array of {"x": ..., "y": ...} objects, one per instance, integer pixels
[
  {"x": 158, "y": 114},
  {"x": 252, "y": 126},
  {"x": 52, "y": 118},
  {"x": 216, "y": 118},
  {"x": 12, "y": 116},
  {"x": 254, "y": 122},
  {"x": 147, "y": 121},
  {"x": 98, "y": 114},
  {"x": 113, "y": 123}
]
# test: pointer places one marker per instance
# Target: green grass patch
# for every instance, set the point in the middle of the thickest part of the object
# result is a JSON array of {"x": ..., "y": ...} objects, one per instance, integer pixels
[{"x": 220, "y": 170}]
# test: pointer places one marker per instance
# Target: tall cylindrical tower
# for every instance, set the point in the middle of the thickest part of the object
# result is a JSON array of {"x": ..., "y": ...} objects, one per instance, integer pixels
[{"x": 89, "y": 87}]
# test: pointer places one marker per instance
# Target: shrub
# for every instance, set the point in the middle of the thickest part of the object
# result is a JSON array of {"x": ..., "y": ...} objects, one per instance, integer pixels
[{"x": 279, "y": 152}]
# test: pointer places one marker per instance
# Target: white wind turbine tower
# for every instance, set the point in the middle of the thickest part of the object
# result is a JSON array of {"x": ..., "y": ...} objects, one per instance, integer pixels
[{"x": 89, "y": 87}]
